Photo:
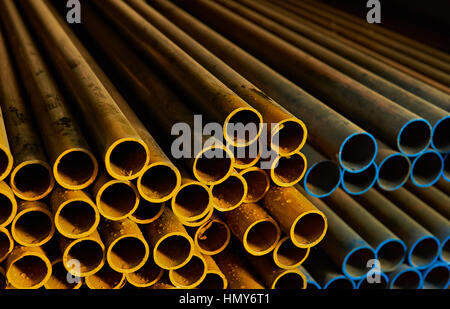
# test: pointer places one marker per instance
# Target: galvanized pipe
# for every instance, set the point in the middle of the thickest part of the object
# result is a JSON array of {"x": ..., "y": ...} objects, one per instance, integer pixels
[
  {"x": 344, "y": 142},
  {"x": 390, "y": 250}
]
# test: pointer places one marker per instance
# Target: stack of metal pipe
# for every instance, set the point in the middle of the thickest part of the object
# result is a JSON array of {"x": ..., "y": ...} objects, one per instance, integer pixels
[{"x": 329, "y": 169}]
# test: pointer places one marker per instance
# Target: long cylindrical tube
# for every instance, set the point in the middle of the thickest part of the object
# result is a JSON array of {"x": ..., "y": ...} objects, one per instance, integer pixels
[
  {"x": 3, "y": 280},
  {"x": 339, "y": 143},
  {"x": 433, "y": 197},
  {"x": 230, "y": 193},
  {"x": 75, "y": 214},
  {"x": 162, "y": 105},
  {"x": 212, "y": 237},
  {"x": 147, "y": 212},
  {"x": 390, "y": 250},
  {"x": 444, "y": 185},
  {"x": 8, "y": 204},
  {"x": 288, "y": 171},
  {"x": 237, "y": 270},
  {"x": 190, "y": 275},
  {"x": 33, "y": 225},
  {"x": 218, "y": 101},
  {"x": 406, "y": 130},
  {"x": 28, "y": 268},
  {"x": 426, "y": 168},
  {"x": 105, "y": 278},
  {"x": 58, "y": 279},
  {"x": 323, "y": 175},
  {"x": 6, "y": 158},
  {"x": 359, "y": 183},
  {"x": 126, "y": 248},
  {"x": 214, "y": 278},
  {"x": 83, "y": 257},
  {"x": 31, "y": 175},
  {"x": 405, "y": 277},
  {"x": 6, "y": 243},
  {"x": 254, "y": 227},
  {"x": 425, "y": 216},
  {"x": 328, "y": 39},
  {"x": 124, "y": 152},
  {"x": 343, "y": 245},
  {"x": 288, "y": 256},
  {"x": 192, "y": 200},
  {"x": 258, "y": 183},
  {"x": 74, "y": 165},
  {"x": 423, "y": 247},
  {"x": 325, "y": 273},
  {"x": 437, "y": 276},
  {"x": 411, "y": 62},
  {"x": 290, "y": 132},
  {"x": 439, "y": 119},
  {"x": 296, "y": 215},
  {"x": 393, "y": 168},
  {"x": 145, "y": 276},
  {"x": 172, "y": 246}
]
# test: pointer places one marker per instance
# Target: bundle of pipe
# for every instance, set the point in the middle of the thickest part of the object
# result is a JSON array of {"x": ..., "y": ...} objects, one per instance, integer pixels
[{"x": 124, "y": 212}]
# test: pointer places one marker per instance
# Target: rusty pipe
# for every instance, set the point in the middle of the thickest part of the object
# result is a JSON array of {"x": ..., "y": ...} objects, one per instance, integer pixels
[
  {"x": 147, "y": 275},
  {"x": 296, "y": 215},
  {"x": 74, "y": 165},
  {"x": 340, "y": 143},
  {"x": 58, "y": 278},
  {"x": 323, "y": 175},
  {"x": 254, "y": 227},
  {"x": 210, "y": 94},
  {"x": 258, "y": 183},
  {"x": 147, "y": 212},
  {"x": 126, "y": 248},
  {"x": 6, "y": 244},
  {"x": 105, "y": 278},
  {"x": 288, "y": 171},
  {"x": 288, "y": 256},
  {"x": 422, "y": 246},
  {"x": 75, "y": 214},
  {"x": 190, "y": 275},
  {"x": 33, "y": 225},
  {"x": 212, "y": 237},
  {"x": 214, "y": 278},
  {"x": 229, "y": 194},
  {"x": 8, "y": 205},
  {"x": 198, "y": 222},
  {"x": 433, "y": 197},
  {"x": 390, "y": 250},
  {"x": 31, "y": 175},
  {"x": 289, "y": 134}
]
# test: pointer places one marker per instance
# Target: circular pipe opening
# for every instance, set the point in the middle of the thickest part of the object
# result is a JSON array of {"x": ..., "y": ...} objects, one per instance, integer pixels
[
  {"x": 126, "y": 159},
  {"x": 58, "y": 279},
  {"x": 424, "y": 252},
  {"x": 287, "y": 255},
  {"x": 355, "y": 263},
  {"x": 172, "y": 251},
  {"x": 189, "y": 275},
  {"x": 30, "y": 271},
  {"x": 261, "y": 237},
  {"x": 441, "y": 138},
  {"x": 32, "y": 228},
  {"x": 308, "y": 229},
  {"x": 380, "y": 284},
  {"x": 106, "y": 278},
  {"x": 340, "y": 283},
  {"x": 147, "y": 275},
  {"x": 127, "y": 253},
  {"x": 230, "y": 193},
  {"x": 289, "y": 137},
  {"x": 117, "y": 200},
  {"x": 258, "y": 184},
  {"x": 361, "y": 182},
  {"x": 88, "y": 252},
  {"x": 32, "y": 181},
  {"x": 213, "y": 281},
  {"x": 287, "y": 171},
  {"x": 391, "y": 253},
  {"x": 407, "y": 279},
  {"x": 426, "y": 169},
  {"x": 213, "y": 237},
  {"x": 212, "y": 165},
  {"x": 75, "y": 170},
  {"x": 7, "y": 210},
  {"x": 76, "y": 218},
  {"x": 322, "y": 179},
  {"x": 393, "y": 172},
  {"x": 436, "y": 277},
  {"x": 191, "y": 202},
  {"x": 147, "y": 212},
  {"x": 243, "y": 127},
  {"x": 357, "y": 152},
  {"x": 158, "y": 183},
  {"x": 290, "y": 280},
  {"x": 414, "y": 137}
]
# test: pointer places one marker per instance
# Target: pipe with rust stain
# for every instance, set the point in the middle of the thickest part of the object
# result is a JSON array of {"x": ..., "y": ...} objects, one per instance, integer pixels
[
  {"x": 147, "y": 212},
  {"x": 286, "y": 255},
  {"x": 8, "y": 204},
  {"x": 212, "y": 237},
  {"x": 105, "y": 278},
  {"x": 214, "y": 279},
  {"x": 147, "y": 275},
  {"x": 190, "y": 275},
  {"x": 230, "y": 193},
  {"x": 6, "y": 243},
  {"x": 258, "y": 183}
]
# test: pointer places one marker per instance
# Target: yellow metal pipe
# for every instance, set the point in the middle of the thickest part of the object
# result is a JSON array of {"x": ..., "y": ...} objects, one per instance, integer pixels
[
  {"x": 287, "y": 171},
  {"x": 246, "y": 157},
  {"x": 286, "y": 255},
  {"x": 212, "y": 237},
  {"x": 230, "y": 193},
  {"x": 190, "y": 275},
  {"x": 200, "y": 221},
  {"x": 147, "y": 275},
  {"x": 147, "y": 212},
  {"x": 6, "y": 243},
  {"x": 58, "y": 279},
  {"x": 214, "y": 279},
  {"x": 258, "y": 183},
  {"x": 106, "y": 278},
  {"x": 8, "y": 205},
  {"x": 33, "y": 225}
]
